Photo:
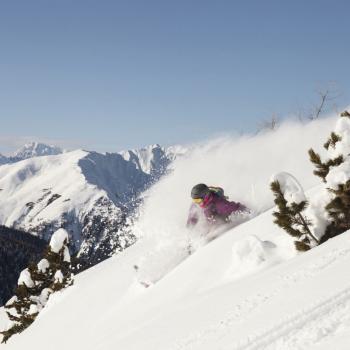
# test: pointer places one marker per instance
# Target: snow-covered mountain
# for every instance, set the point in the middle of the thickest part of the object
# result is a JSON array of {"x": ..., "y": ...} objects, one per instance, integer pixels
[
  {"x": 30, "y": 150},
  {"x": 3, "y": 159},
  {"x": 36, "y": 149},
  {"x": 87, "y": 193},
  {"x": 153, "y": 159},
  {"x": 90, "y": 194}
]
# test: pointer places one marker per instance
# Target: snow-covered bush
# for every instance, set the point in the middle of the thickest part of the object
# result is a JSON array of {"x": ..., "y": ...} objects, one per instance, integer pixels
[
  {"x": 37, "y": 283},
  {"x": 291, "y": 203}
]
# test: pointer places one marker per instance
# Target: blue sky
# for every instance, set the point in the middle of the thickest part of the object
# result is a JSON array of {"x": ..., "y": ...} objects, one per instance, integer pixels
[{"x": 110, "y": 75}]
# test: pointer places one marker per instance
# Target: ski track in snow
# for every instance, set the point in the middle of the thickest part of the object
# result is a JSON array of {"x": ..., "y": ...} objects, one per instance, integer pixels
[
  {"x": 306, "y": 327},
  {"x": 321, "y": 320}
]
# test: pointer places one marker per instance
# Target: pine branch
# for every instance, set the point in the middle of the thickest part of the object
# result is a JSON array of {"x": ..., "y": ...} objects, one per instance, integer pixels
[
  {"x": 333, "y": 139},
  {"x": 306, "y": 228},
  {"x": 321, "y": 168}
]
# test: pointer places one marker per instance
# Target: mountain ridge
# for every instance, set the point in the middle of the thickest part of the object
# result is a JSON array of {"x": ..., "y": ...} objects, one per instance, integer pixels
[{"x": 92, "y": 195}]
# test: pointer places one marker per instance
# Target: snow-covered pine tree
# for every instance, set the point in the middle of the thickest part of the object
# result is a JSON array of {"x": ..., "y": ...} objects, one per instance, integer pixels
[
  {"x": 291, "y": 203},
  {"x": 339, "y": 211},
  {"x": 59, "y": 262},
  {"x": 21, "y": 309},
  {"x": 37, "y": 283},
  {"x": 337, "y": 178}
]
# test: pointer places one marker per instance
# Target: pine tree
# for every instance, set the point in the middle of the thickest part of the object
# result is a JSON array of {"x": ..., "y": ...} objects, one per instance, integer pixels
[
  {"x": 345, "y": 114},
  {"x": 339, "y": 211},
  {"x": 59, "y": 273},
  {"x": 322, "y": 169},
  {"x": 21, "y": 309},
  {"x": 37, "y": 283},
  {"x": 290, "y": 217},
  {"x": 338, "y": 208}
]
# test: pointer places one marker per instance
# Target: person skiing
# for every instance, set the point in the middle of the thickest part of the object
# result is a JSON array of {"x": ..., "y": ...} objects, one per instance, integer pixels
[{"x": 213, "y": 204}]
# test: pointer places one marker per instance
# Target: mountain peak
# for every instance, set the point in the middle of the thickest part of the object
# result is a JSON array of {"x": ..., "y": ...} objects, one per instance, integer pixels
[
  {"x": 152, "y": 159},
  {"x": 36, "y": 149}
]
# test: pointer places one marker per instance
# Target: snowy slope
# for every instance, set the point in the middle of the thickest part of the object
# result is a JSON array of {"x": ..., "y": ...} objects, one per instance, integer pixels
[
  {"x": 248, "y": 289},
  {"x": 211, "y": 301}
]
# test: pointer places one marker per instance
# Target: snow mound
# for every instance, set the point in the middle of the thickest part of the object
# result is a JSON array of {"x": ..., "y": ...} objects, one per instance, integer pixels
[
  {"x": 250, "y": 255},
  {"x": 58, "y": 239},
  {"x": 291, "y": 188},
  {"x": 26, "y": 279},
  {"x": 59, "y": 276},
  {"x": 43, "y": 265}
]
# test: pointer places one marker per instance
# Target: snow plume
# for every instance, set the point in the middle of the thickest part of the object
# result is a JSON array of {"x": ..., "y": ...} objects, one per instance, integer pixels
[{"x": 241, "y": 165}]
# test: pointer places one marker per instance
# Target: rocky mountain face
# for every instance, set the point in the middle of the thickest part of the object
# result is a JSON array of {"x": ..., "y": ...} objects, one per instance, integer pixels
[
  {"x": 4, "y": 159},
  {"x": 154, "y": 159},
  {"x": 92, "y": 195}
]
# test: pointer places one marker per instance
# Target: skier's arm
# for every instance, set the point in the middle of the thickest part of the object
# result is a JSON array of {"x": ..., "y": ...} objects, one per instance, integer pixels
[
  {"x": 240, "y": 207},
  {"x": 226, "y": 208}
]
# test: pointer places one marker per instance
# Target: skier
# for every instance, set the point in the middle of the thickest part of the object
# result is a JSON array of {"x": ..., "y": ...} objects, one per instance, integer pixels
[{"x": 213, "y": 204}]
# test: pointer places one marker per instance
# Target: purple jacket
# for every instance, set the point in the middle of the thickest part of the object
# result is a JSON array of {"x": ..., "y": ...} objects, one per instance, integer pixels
[{"x": 215, "y": 208}]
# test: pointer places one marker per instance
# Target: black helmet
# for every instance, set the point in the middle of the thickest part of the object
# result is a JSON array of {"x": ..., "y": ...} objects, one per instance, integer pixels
[{"x": 199, "y": 191}]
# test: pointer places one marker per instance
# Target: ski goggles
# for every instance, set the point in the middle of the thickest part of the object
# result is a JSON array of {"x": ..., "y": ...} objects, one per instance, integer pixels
[{"x": 197, "y": 200}]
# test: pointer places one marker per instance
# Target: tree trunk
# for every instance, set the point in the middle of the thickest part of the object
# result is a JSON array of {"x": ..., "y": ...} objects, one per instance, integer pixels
[{"x": 307, "y": 228}]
